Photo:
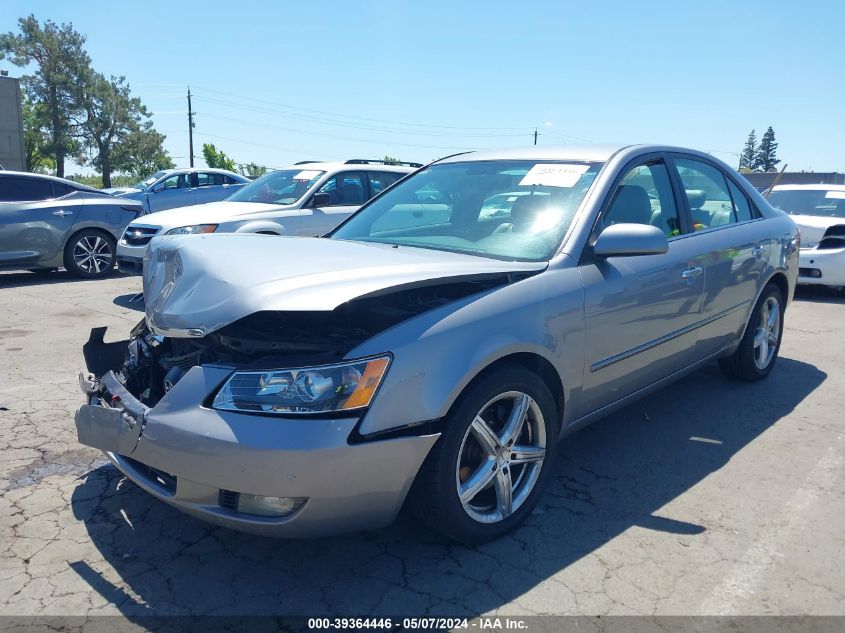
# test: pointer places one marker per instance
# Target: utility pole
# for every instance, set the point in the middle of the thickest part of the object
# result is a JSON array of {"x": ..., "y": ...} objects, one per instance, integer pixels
[
  {"x": 191, "y": 114},
  {"x": 535, "y": 136}
]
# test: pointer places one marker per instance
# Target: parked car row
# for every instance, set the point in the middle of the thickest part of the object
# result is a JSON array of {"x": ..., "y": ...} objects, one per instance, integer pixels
[
  {"x": 47, "y": 222},
  {"x": 433, "y": 348},
  {"x": 305, "y": 199}
]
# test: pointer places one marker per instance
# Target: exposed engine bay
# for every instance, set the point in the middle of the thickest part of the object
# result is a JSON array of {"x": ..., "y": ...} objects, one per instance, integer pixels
[{"x": 154, "y": 364}]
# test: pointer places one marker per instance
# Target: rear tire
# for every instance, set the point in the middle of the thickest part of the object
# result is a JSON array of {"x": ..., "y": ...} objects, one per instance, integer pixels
[
  {"x": 757, "y": 352},
  {"x": 90, "y": 254},
  {"x": 481, "y": 479}
]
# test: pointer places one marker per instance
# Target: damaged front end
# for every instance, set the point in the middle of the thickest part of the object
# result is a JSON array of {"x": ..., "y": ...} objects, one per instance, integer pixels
[{"x": 154, "y": 364}]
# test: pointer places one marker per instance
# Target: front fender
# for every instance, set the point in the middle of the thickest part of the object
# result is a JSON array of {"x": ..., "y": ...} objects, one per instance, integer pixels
[
  {"x": 438, "y": 353},
  {"x": 260, "y": 226}
]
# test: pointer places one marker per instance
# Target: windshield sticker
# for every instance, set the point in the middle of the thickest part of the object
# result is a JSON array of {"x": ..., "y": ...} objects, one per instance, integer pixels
[
  {"x": 553, "y": 175},
  {"x": 306, "y": 175},
  {"x": 839, "y": 195}
]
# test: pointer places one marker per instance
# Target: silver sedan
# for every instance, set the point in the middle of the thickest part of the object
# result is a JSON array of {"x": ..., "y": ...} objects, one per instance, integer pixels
[{"x": 437, "y": 346}]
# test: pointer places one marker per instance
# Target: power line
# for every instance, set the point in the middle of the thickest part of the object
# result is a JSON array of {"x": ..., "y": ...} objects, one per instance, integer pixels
[
  {"x": 337, "y": 136},
  {"x": 346, "y": 124},
  {"x": 350, "y": 116}
]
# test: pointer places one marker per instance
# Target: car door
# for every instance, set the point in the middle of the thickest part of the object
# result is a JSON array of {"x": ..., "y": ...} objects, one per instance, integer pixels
[
  {"x": 734, "y": 253},
  {"x": 640, "y": 311},
  {"x": 33, "y": 223},
  {"x": 176, "y": 190},
  {"x": 347, "y": 191}
]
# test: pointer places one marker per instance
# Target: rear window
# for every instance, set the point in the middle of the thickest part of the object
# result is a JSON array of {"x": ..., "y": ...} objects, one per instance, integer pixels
[{"x": 819, "y": 202}]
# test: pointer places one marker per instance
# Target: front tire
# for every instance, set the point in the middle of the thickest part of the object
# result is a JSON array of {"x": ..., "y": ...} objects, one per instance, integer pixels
[
  {"x": 90, "y": 254},
  {"x": 490, "y": 465},
  {"x": 757, "y": 352}
]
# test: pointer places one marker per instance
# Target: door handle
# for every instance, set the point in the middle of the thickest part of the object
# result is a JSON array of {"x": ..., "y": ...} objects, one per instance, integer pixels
[
  {"x": 62, "y": 213},
  {"x": 691, "y": 273}
]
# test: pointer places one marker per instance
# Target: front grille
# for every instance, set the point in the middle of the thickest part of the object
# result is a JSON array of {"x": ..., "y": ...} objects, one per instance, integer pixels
[
  {"x": 228, "y": 499},
  {"x": 154, "y": 476},
  {"x": 139, "y": 235}
]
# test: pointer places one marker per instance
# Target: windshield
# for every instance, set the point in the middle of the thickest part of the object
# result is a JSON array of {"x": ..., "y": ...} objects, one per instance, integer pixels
[
  {"x": 143, "y": 184},
  {"x": 514, "y": 210},
  {"x": 285, "y": 186},
  {"x": 821, "y": 202}
]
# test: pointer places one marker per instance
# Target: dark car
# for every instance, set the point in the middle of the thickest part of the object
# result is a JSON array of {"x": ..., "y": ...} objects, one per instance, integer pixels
[{"x": 47, "y": 222}]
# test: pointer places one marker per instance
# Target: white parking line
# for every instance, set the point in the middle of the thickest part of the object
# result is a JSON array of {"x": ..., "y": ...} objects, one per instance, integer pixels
[{"x": 742, "y": 581}]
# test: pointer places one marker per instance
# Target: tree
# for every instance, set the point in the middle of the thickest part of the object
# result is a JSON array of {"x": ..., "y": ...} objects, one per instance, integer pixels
[
  {"x": 142, "y": 153},
  {"x": 748, "y": 158},
  {"x": 109, "y": 115},
  {"x": 36, "y": 141},
  {"x": 767, "y": 154},
  {"x": 253, "y": 170},
  {"x": 389, "y": 160},
  {"x": 61, "y": 62},
  {"x": 216, "y": 159}
]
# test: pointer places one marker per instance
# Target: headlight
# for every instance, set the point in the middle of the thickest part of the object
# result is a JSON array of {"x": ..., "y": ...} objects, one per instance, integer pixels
[
  {"x": 342, "y": 387},
  {"x": 193, "y": 230}
]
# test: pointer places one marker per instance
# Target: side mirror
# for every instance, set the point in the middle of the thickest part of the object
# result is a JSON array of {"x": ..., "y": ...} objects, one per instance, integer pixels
[
  {"x": 321, "y": 199},
  {"x": 620, "y": 240},
  {"x": 158, "y": 187}
]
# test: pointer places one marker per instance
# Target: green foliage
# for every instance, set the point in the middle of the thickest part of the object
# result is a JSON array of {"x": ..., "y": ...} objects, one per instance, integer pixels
[
  {"x": 748, "y": 158},
  {"x": 767, "y": 158},
  {"x": 252, "y": 170},
  {"x": 60, "y": 62},
  {"x": 71, "y": 110},
  {"x": 389, "y": 160},
  {"x": 109, "y": 116},
  {"x": 215, "y": 159},
  {"x": 142, "y": 153},
  {"x": 36, "y": 141},
  {"x": 96, "y": 181}
]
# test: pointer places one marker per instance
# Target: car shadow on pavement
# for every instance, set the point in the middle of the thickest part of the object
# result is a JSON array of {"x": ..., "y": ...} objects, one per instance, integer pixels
[
  {"x": 26, "y": 278},
  {"x": 819, "y": 294},
  {"x": 133, "y": 301},
  {"x": 617, "y": 474}
]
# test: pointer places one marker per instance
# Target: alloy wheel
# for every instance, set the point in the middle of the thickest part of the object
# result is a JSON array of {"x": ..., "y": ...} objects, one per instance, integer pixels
[
  {"x": 500, "y": 457},
  {"x": 93, "y": 254},
  {"x": 767, "y": 334}
]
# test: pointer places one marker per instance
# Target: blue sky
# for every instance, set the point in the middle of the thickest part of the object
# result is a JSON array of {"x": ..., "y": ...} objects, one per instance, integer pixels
[{"x": 277, "y": 82}]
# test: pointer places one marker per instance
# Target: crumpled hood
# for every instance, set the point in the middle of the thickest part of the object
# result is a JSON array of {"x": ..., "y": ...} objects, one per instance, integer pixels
[
  {"x": 208, "y": 213},
  {"x": 196, "y": 284},
  {"x": 812, "y": 227}
]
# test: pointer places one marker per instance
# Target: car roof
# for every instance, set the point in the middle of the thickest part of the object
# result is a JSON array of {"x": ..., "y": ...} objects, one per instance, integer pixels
[
  {"x": 335, "y": 166},
  {"x": 64, "y": 181},
  {"x": 587, "y": 153},
  {"x": 188, "y": 170},
  {"x": 817, "y": 187}
]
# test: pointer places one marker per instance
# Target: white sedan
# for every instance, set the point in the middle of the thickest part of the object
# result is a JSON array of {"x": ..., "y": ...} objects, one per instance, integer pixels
[{"x": 819, "y": 212}]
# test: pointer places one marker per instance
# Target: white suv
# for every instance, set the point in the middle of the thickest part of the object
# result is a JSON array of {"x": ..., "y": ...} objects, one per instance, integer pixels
[{"x": 308, "y": 198}]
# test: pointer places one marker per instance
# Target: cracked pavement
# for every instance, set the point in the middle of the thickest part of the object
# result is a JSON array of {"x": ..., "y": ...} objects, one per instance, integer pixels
[{"x": 708, "y": 497}]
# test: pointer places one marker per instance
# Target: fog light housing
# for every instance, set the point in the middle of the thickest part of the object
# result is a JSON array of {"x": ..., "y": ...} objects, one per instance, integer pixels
[{"x": 264, "y": 506}]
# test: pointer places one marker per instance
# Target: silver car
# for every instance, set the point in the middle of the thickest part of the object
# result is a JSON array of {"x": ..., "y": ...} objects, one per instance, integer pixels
[
  {"x": 171, "y": 188},
  {"x": 437, "y": 345},
  {"x": 47, "y": 222}
]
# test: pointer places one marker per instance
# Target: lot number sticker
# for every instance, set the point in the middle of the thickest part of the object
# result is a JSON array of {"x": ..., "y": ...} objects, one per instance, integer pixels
[{"x": 553, "y": 175}]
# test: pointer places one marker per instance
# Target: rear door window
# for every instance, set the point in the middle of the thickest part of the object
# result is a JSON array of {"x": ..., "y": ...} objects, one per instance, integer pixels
[
  {"x": 206, "y": 179},
  {"x": 707, "y": 192},
  {"x": 381, "y": 180}
]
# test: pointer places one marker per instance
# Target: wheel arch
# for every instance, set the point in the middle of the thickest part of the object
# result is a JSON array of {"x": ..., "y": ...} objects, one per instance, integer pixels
[
  {"x": 533, "y": 362},
  {"x": 778, "y": 278}
]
